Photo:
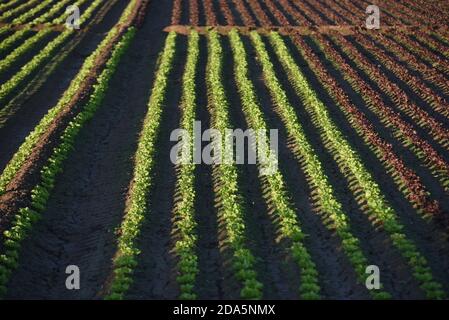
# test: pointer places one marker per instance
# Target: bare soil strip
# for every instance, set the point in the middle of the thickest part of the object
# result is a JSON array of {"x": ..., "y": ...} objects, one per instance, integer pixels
[{"x": 302, "y": 30}]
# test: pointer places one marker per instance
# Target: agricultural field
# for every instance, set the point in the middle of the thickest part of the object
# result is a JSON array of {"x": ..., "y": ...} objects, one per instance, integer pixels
[{"x": 350, "y": 202}]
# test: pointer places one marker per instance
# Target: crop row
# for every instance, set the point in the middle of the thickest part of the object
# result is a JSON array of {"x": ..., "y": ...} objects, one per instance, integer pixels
[
  {"x": 390, "y": 15},
  {"x": 414, "y": 15},
  {"x": 307, "y": 10},
  {"x": 295, "y": 14},
  {"x": 347, "y": 13},
  {"x": 404, "y": 248},
  {"x": 415, "y": 83},
  {"x": 442, "y": 36},
  {"x": 9, "y": 87},
  {"x": 17, "y": 36},
  {"x": 39, "y": 76},
  {"x": 322, "y": 189},
  {"x": 307, "y": 14},
  {"x": 409, "y": 13},
  {"x": 229, "y": 17},
  {"x": 332, "y": 13},
  {"x": 349, "y": 162},
  {"x": 278, "y": 15},
  {"x": 412, "y": 60},
  {"x": 228, "y": 191},
  {"x": 290, "y": 227},
  {"x": 422, "y": 148},
  {"x": 417, "y": 15},
  {"x": 185, "y": 222},
  {"x": 244, "y": 13},
  {"x": 11, "y": 59},
  {"x": 11, "y": 14},
  {"x": 55, "y": 10},
  {"x": 426, "y": 6},
  {"x": 334, "y": 10},
  {"x": 405, "y": 178},
  {"x": 7, "y": 6},
  {"x": 5, "y": 31},
  {"x": 411, "y": 43},
  {"x": 211, "y": 17},
  {"x": 194, "y": 15},
  {"x": 12, "y": 40},
  {"x": 176, "y": 12},
  {"x": 350, "y": 9},
  {"x": 137, "y": 210},
  {"x": 403, "y": 130},
  {"x": 26, "y": 217},
  {"x": 387, "y": 17},
  {"x": 395, "y": 13},
  {"x": 194, "y": 19},
  {"x": 334, "y": 16}
]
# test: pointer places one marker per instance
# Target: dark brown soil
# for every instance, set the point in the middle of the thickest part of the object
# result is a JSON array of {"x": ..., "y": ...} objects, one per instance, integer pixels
[{"x": 303, "y": 30}]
